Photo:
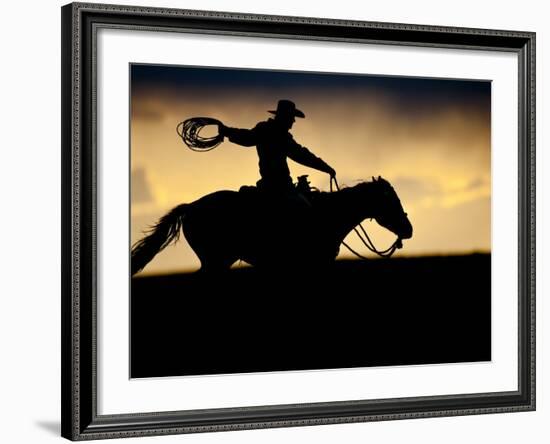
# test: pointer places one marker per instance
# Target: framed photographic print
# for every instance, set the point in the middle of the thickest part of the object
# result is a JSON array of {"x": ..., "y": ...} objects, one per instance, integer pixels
[{"x": 280, "y": 221}]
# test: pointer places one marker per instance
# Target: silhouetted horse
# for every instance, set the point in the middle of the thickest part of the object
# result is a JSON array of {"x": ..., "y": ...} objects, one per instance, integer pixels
[{"x": 227, "y": 226}]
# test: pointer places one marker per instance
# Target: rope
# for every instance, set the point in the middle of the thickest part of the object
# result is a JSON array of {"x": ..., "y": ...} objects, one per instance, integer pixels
[
  {"x": 367, "y": 242},
  {"x": 189, "y": 131}
]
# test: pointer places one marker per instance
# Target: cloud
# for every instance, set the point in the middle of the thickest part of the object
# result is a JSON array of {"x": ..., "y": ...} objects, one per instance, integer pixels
[
  {"x": 476, "y": 184},
  {"x": 147, "y": 109},
  {"x": 411, "y": 189},
  {"x": 463, "y": 227},
  {"x": 140, "y": 188},
  {"x": 147, "y": 114}
]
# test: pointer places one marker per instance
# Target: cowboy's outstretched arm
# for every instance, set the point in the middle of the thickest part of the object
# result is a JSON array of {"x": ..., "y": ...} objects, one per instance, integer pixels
[
  {"x": 303, "y": 156},
  {"x": 244, "y": 137}
]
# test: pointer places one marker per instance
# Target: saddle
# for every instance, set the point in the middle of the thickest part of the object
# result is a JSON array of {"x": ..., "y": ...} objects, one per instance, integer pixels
[
  {"x": 301, "y": 187},
  {"x": 293, "y": 200}
]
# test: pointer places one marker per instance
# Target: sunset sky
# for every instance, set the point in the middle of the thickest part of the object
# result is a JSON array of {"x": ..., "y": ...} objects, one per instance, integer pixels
[{"x": 430, "y": 138}]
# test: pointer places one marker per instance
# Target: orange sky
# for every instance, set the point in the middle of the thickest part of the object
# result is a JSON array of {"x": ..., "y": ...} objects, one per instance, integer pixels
[{"x": 435, "y": 153}]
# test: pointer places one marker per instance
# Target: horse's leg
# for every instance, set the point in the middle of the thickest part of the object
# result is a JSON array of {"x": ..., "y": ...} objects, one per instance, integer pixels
[
  {"x": 210, "y": 231},
  {"x": 213, "y": 255}
]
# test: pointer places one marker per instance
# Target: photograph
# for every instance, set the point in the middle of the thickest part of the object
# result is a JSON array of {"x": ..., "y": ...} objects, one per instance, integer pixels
[{"x": 292, "y": 220}]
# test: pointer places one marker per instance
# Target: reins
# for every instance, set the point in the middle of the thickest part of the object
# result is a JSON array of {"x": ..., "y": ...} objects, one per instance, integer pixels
[{"x": 366, "y": 239}]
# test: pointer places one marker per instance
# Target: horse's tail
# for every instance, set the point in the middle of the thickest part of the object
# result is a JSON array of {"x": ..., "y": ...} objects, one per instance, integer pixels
[{"x": 166, "y": 231}]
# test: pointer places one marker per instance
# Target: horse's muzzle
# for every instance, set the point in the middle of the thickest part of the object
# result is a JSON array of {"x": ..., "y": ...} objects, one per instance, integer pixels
[{"x": 406, "y": 231}]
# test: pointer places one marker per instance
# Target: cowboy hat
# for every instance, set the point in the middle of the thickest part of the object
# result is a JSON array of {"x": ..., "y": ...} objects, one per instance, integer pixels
[{"x": 287, "y": 107}]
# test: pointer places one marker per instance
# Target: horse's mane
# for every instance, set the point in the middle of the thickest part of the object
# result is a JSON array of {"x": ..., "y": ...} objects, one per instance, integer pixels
[
  {"x": 348, "y": 194},
  {"x": 343, "y": 190}
]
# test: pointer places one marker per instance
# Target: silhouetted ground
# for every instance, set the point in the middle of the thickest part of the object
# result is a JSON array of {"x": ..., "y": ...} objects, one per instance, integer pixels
[{"x": 355, "y": 314}]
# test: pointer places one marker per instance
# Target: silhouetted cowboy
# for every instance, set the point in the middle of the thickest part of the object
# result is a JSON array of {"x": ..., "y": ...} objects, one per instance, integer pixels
[{"x": 274, "y": 144}]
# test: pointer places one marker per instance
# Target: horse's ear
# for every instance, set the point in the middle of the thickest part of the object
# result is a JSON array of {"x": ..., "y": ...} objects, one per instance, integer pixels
[
  {"x": 373, "y": 179},
  {"x": 379, "y": 178}
]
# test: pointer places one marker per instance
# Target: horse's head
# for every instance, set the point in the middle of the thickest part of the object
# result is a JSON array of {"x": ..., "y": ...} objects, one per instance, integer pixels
[{"x": 389, "y": 212}]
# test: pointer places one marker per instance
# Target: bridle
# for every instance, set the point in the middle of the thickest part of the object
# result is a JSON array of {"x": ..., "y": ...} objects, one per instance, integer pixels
[{"x": 366, "y": 239}]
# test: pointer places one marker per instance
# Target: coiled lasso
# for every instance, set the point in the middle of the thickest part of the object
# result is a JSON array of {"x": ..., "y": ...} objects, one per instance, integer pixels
[{"x": 189, "y": 130}]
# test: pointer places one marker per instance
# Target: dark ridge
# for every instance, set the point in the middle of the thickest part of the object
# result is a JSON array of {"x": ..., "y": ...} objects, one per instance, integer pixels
[{"x": 399, "y": 311}]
